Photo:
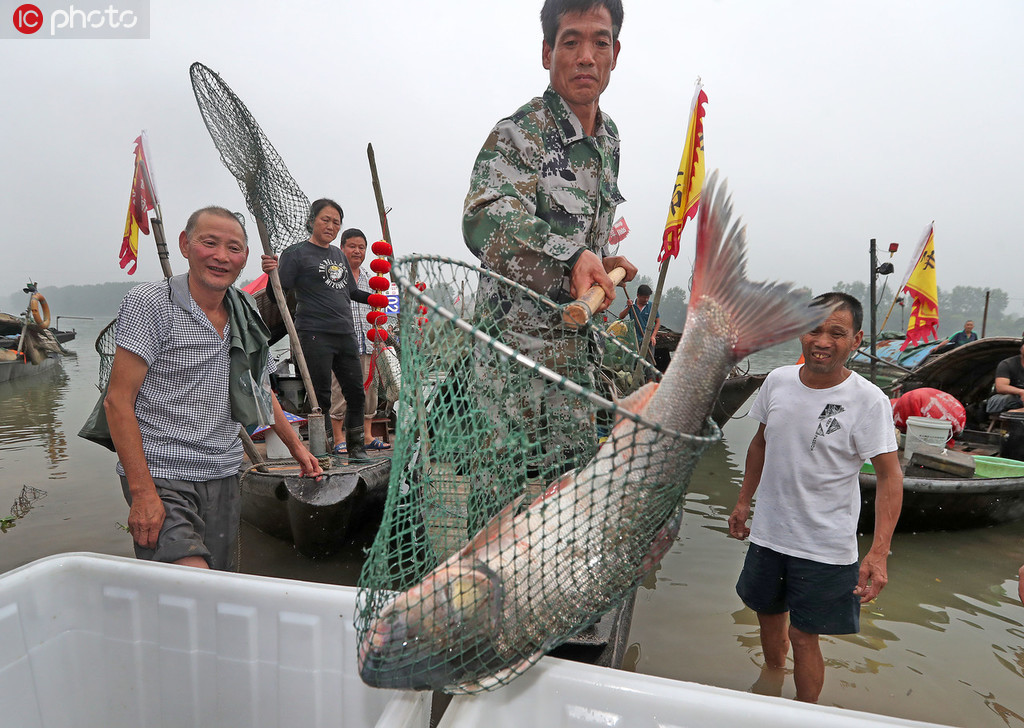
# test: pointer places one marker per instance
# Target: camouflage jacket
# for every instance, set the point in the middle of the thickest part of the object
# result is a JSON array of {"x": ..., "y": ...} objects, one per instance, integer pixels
[{"x": 541, "y": 193}]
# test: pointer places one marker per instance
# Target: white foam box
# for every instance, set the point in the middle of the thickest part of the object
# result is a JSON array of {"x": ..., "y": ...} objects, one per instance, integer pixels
[
  {"x": 558, "y": 693},
  {"x": 92, "y": 640}
]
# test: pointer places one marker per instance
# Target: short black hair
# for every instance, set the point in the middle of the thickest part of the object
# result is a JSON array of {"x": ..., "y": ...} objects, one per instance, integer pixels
[
  {"x": 644, "y": 290},
  {"x": 351, "y": 233},
  {"x": 319, "y": 205},
  {"x": 843, "y": 302},
  {"x": 553, "y": 10},
  {"x": 193, "y": 220}
]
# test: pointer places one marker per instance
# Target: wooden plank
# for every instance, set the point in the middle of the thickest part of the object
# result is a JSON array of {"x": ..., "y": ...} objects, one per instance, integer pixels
[{"x": 948, "y": 462}]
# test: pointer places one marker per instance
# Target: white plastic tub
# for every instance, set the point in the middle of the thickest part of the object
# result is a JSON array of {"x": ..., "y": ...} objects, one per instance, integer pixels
[
  {"x": 560, "y": 694},
  {"x": 90, "y": 640}
]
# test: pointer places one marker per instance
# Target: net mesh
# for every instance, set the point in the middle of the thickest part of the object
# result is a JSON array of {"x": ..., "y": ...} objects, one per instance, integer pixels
[
  {"x": 523, "y": 504},
  {"x": 271, "y": 194},
  {"x": 106, "y": 347}
]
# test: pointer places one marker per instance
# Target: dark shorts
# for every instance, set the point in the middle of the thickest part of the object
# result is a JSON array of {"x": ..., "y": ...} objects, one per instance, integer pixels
[
  {"x": 819, "y": 597},
  {"x": 998, "y": 403},
  {"x": 201, "y": 519}
]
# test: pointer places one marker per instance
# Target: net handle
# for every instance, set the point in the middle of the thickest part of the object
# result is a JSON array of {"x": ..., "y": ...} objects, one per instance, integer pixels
[{"x": 579, "y": 312}]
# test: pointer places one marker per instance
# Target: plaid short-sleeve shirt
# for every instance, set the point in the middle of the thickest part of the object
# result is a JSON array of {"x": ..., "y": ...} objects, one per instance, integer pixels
[{"x": 183, "y": 405}]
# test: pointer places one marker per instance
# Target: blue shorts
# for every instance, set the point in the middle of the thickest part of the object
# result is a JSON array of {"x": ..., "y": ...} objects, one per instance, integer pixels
[{"x": 819, "y": 597}]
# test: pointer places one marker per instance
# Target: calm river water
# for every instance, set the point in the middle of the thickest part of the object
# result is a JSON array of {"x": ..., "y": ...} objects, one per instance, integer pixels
[{"x": 943, "y": 643}]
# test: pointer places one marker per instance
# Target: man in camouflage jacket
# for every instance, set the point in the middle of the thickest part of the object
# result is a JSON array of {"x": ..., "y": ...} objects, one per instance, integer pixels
[
  {"x": 540, "y": 207},
  {"x": 544, "y": 188}
]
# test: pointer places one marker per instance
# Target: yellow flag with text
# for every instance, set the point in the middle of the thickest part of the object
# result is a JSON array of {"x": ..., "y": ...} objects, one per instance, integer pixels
[
  {"x": 921, "y": 286},
  {"x": 689, "y": 179}
]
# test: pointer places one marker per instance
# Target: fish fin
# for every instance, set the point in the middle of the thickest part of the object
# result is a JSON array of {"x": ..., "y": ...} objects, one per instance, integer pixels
[
  {"x": 479, "y": 587},
  {"x": 498, "y": 524},
  {"x": 661, "y": 543},
  {"x": 764, "y": 313},
  {"x": 557, "y": 485}
]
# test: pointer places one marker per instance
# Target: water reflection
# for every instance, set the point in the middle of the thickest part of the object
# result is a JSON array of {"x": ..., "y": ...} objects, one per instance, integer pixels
[{"x": 30, "y": 420}]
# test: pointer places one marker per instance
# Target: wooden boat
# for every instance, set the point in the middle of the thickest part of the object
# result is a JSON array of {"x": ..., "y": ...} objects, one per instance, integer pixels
[
  {"x": 891, "y": 360},
  {"x": 995, "y": 495},
  {"x": 319, "y": 517},
  {"x": 967, "y": 372},
  {"x": 27, "y": 343},
  {"x": 18, "y": 368}
]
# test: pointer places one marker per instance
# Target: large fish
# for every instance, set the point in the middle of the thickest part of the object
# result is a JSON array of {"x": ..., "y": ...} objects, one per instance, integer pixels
[{"x": 533, "y": 577}]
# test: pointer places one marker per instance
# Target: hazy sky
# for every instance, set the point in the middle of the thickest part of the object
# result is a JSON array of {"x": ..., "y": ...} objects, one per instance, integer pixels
[{"x": 834, "y": 122}]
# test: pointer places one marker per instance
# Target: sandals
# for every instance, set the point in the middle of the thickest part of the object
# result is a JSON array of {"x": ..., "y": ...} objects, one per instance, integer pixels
[
  {"x": 340, "y": 449},
  {"x": 377, "y": 444}
]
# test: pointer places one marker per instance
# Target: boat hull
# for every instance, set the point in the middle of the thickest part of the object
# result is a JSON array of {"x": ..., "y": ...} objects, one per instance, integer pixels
[
  {"x": 11, "y": 370},
  {"x": 319, "y": 517},
  {"x": 949, "y": 504}
]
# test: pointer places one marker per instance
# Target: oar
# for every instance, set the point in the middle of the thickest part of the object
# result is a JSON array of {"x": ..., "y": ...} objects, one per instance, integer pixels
[{"x": 580, "y": 311}]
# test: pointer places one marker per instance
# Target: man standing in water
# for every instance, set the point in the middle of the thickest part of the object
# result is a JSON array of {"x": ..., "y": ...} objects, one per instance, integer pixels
[
  {"x": 176, "y": 398},
  {"x": 819, "y": 423}
]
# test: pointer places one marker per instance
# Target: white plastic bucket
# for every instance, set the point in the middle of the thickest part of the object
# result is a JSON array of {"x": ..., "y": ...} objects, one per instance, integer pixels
[
  {"x": 925, "y": 431},
  {"x": 276, "y": 449}
]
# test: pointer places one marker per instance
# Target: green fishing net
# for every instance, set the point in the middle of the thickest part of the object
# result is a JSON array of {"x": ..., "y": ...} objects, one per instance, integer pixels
[{"x": 523, "y": 503}]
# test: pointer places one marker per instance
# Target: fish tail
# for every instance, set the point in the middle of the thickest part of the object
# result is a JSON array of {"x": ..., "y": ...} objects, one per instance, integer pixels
[{"x": 763, "y": 314}]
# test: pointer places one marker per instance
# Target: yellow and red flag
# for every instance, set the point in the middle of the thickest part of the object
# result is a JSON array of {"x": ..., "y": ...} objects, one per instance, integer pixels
[
  {"x": 921, "y": 286},
  {"x": 689, "y": 179},
  {"x": 142, "y": 200}
]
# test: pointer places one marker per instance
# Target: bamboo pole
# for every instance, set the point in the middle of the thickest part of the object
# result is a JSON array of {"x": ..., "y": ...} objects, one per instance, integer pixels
[
  {"x": 315, "y": 421},
  {"x": 378, "y": 195},
  {"x": 161, "y": 244},
  {"x": 984, "y": 317},
  {"x": 385, "y": 230}
]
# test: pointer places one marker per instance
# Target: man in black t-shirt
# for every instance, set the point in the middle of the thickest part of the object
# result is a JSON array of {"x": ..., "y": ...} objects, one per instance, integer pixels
[{"x": 1009, "y": 394}]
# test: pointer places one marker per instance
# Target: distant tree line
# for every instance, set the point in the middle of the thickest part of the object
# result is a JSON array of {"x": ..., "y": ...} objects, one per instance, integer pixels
[{"x": 961, "y": 304}]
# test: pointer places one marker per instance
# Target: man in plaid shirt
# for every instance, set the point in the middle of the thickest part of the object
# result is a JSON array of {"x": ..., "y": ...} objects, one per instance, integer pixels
[{"x": 176, "y": 399}]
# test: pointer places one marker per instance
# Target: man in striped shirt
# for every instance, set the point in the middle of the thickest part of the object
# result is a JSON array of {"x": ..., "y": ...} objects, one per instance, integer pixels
[{"x": 174, "y": 405}]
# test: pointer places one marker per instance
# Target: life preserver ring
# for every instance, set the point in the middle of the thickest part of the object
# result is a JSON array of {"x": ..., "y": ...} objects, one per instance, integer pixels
[{"x": 40, "y": 310}]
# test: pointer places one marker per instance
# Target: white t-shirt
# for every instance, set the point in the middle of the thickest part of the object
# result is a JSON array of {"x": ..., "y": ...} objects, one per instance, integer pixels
[{"x": 808, "y": 500}]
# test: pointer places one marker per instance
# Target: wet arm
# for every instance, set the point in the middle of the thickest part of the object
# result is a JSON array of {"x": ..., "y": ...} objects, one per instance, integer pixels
[
  {"x": 752, "y": 470},
  {"x": 147, "y": 510},
  {"x": 888, "y": 502},
  {"x": 309, "y": 464}
]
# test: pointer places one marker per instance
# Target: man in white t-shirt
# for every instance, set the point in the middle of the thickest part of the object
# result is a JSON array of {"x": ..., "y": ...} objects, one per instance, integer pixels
[{"x": 819, "y": 423}]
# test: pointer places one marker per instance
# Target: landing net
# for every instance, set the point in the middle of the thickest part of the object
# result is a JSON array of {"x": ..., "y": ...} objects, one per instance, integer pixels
[
  {"x": 498, "y": 401},
  {"x": 271, "y": 194}
]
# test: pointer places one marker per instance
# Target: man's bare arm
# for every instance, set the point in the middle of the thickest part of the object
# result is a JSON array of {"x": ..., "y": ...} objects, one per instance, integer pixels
[
  {"x": 888, "y": 502},
  {"x": 147, "y": 512},
  {"x": 753, "y": 467}
]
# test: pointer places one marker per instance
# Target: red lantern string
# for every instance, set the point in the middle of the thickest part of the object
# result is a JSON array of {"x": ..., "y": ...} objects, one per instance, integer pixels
[
  {"x": 421, "y": 310},
  {"x": 379, "y": 301}
]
